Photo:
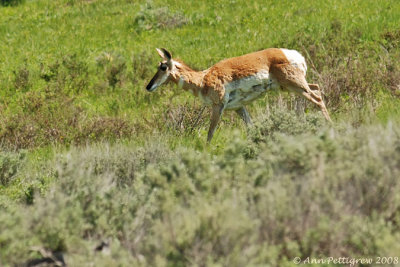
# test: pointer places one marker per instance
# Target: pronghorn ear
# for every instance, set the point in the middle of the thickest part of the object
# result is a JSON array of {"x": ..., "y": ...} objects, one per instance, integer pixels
[{"x": 164, "y": 53}]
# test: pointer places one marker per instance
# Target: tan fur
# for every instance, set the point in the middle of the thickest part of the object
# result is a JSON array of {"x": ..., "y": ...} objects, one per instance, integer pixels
[{"x": 193, "y": 79}]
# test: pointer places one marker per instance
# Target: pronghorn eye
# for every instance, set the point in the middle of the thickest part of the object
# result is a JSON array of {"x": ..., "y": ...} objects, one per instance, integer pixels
[{"x": 163, "y": 67}]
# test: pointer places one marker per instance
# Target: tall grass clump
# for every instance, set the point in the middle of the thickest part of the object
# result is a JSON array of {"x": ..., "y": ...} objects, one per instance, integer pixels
[{"x": 114, "y": 67}]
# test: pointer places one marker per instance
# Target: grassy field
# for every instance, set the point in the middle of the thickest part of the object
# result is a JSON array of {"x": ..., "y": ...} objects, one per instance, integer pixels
[{"x": 88, "y": 156}]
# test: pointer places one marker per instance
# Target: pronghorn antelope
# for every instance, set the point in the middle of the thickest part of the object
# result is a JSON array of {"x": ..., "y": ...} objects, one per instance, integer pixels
[{"x": 233, "y": 83}]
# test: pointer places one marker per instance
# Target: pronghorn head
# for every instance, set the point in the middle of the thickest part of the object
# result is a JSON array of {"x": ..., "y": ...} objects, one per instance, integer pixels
[{"x": 163, "y": 71}]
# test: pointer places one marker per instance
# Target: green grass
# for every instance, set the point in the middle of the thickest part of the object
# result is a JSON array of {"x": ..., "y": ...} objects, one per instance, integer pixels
[{"x": 88, "y": 155}]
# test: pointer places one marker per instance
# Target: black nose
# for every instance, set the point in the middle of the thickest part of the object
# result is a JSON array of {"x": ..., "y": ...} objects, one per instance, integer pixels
[{"x": 148, "y": 87}]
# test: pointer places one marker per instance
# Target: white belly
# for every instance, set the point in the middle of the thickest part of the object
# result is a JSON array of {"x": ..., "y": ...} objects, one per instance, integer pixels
[{"x": 241, "y": 92}]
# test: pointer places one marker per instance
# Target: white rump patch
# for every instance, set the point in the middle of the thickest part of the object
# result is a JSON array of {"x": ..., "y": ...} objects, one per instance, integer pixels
[{"x": 295, "y": 59}]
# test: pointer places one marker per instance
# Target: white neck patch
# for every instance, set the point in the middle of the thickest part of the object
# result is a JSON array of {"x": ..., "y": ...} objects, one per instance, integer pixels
[{"x": 181, "y": 79}]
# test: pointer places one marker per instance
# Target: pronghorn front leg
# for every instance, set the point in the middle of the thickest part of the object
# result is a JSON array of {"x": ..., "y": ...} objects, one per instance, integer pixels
[
  {"x": 216, "y": 113},
  {"x": 244, "y": 114}
]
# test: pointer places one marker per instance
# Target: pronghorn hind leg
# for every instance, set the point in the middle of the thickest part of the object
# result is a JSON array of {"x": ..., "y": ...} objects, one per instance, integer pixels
[
  {"x": 315, "y": 88},
  {"x": 216, "y": 113},
  {"x": 293, "y": 79},
  {"x": 244, "y": 114},
  {"x": 320, "y": 103}
]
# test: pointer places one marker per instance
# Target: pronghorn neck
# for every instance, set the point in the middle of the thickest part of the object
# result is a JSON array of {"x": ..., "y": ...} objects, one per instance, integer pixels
[{"x": 187, "y": 78}]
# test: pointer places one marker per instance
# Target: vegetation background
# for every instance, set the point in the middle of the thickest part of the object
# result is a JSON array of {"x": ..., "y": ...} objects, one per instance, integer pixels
[{"x": 88, "y": 156}]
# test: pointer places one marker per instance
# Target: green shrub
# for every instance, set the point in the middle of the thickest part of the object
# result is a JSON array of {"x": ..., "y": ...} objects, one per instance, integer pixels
[
  {"x": 97, "y": 195},
  {"x": 310, "y": 193},
  {"x": 283, "y": 121},
  {"x": 9, "y": 165},
  {"x": 151, "y": 18}
]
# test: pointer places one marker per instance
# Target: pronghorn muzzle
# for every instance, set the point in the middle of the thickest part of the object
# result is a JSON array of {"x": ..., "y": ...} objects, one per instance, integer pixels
[
  {"x": 159, "y": 78},
  {"x": 150, "y": 86},
  {"x": 163, "y": 70}
]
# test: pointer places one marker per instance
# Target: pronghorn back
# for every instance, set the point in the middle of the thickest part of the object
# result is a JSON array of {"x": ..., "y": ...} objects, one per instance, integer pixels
[
  {"x": 242, "y": 79},
  {"x": 249, "y": 64}
]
